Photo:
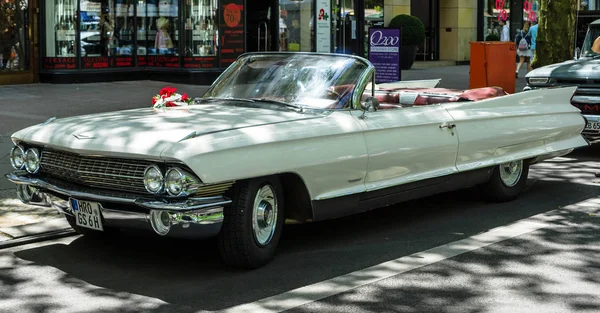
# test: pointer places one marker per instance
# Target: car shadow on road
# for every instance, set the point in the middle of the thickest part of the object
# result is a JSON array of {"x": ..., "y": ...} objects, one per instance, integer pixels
[{"x": 190, "y": 274}]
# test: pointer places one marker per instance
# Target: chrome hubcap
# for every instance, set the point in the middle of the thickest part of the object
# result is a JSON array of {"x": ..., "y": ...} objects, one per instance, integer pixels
[
  {"x": 510, "y": 173},
  {"x": 264, "y": 215}
]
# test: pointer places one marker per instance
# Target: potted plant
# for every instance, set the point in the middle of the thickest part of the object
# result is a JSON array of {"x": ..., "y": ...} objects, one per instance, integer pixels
[{"x": 412, "y": 34}]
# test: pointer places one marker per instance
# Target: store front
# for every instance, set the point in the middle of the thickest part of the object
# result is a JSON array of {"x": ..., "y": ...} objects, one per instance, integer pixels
[
  {"x": 190, "y": 41},
  {"x": 515, "y": 12},
  {"x": 16, "y": 50}
]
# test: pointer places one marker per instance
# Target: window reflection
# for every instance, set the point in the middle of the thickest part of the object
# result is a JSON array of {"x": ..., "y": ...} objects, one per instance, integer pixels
[
  {"x": 296, "y": 25},
  {"x": 201, "y": 28},
  {"x": 13, "y": 29}
]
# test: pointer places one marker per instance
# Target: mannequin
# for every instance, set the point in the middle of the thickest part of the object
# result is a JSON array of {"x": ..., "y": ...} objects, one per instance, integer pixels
[{"x": 163, "y": 40}]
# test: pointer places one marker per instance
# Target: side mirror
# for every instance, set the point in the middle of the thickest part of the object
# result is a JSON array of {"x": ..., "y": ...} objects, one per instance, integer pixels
[
  {"x": 577, "y": 52},
  {"x": 371, "y": 104}
]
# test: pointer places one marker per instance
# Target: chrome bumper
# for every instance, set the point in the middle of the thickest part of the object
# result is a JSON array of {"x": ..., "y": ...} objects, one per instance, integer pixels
[{"x": 204, "y": 213}]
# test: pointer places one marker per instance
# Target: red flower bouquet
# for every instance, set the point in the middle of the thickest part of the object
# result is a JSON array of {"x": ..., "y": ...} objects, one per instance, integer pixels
[{"x": 168, "y": 97}]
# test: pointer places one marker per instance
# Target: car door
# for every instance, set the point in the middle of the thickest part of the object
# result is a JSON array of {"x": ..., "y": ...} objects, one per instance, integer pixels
[{"x": 408, "y": 144}]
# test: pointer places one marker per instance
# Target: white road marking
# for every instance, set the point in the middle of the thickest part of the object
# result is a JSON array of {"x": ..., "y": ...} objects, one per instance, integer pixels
[{"x": 307, "y": 294}]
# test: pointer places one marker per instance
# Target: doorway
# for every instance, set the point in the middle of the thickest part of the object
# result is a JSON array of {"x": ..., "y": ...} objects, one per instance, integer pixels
[
  {"x": 428, "y": 12},
  {"x": 262, "y": 25}
]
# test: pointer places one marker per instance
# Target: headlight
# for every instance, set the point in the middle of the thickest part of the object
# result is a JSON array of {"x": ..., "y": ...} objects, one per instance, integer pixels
[
  {"x": 17, "y": 157},
  {"x": 153, "y": 179},
  {"x": 180, "y": 183},
  {"x": 32, "y": 160},
  {"x": 537, "y": 80}
]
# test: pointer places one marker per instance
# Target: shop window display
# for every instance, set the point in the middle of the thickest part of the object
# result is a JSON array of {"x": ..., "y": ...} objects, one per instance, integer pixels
[
  {"x": 296, "y": 25},
  {"x": 13, "y": 29},
  {"x": 60, "y": 34},
  {"x": 158, "y": 33},
  {"x": 201, "y": 34}
]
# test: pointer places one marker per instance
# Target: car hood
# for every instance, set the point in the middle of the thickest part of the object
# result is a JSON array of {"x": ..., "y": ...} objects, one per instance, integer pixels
[
  {"x": 149, "y": 131},
  {"x": 582, "y": 68}
]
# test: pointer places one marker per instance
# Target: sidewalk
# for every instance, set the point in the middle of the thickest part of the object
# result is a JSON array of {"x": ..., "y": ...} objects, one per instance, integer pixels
[{"x": 22, "y": 223}]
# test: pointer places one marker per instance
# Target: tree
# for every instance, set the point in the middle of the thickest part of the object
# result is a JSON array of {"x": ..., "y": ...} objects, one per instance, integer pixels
[{"x": 555, "y": 41}]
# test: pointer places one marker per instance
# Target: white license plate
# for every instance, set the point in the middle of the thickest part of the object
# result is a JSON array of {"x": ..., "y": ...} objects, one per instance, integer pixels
[
  {"x": 592, "y": 126},
  {"x": 87, "y": 214}
]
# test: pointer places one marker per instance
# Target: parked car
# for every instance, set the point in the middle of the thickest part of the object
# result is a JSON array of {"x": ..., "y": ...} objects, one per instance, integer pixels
[
  {"x": 581, "y": 72},
  {"x": 282, "y": 137}
]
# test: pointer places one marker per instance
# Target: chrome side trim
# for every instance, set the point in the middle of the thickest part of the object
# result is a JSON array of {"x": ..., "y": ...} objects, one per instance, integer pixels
[
  {"x": 187, "y": 205},
  {"x": 48, "y": 121},
  {"x": 174, "y": 205}
]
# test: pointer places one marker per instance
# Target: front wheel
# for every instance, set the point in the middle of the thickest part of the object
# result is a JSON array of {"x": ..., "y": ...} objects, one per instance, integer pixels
[
  {"x": 253, "y": 223},
  {"x": 507, "y": 181}
]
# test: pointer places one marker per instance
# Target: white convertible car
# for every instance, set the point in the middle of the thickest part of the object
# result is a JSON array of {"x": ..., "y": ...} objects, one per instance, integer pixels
[{"x": 287, "y": 137}]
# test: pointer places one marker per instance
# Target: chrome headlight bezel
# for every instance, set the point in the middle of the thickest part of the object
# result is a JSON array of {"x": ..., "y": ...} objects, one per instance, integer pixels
[
  {"x": 34, "y": 155},
  {"x": 17, "y": 149},
  {"x": 185, "y": 182},
  {"x": 160, "y": 179}
]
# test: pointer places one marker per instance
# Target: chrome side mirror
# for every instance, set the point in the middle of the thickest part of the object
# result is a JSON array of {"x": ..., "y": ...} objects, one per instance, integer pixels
[
  {"x": 577, "y": 52},
  {"x": 371, "y": 104}
]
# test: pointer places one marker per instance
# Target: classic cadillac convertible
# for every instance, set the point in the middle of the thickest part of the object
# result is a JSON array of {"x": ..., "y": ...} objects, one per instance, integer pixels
[{"x": 287, "y": 137}]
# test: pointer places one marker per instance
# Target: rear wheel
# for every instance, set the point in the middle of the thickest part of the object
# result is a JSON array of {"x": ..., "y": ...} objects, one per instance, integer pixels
[
  {"x": 507, "y": 182},
  {"x": 253, "y": 223}
]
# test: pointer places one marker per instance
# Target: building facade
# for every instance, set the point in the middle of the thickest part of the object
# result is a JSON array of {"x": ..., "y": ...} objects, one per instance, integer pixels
[{"x": 193, "y": 41}]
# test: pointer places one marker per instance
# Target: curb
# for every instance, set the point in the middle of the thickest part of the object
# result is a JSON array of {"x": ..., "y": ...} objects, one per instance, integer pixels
[{"x": 37, "y": 238}]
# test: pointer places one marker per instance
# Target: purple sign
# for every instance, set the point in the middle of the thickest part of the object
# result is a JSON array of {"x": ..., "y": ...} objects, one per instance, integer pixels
[{"x": 384, "y": 53}]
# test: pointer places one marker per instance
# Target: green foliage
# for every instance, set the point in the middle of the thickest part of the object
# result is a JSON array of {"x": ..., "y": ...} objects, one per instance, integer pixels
[
  {"x": 413, "y": 30},
  {"x": 492, "y": 37},
  {"x": 556, "y": 32}
]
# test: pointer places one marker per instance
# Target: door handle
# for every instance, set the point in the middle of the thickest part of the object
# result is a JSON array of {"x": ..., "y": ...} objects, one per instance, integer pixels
[{"x": 446, "y": 125}]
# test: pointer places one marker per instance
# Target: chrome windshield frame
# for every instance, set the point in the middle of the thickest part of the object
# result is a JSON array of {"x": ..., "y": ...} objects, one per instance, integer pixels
[{"x": 363, "y": 80}]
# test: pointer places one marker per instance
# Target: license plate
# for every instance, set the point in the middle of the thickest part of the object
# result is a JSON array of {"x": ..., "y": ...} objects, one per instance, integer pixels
[
  {"x": 87, "y": 214},
  {"x": 592, "y": 126}
]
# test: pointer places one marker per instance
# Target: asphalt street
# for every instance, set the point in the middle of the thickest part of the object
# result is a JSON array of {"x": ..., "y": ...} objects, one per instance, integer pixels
[{"x": 357, "y": 264}]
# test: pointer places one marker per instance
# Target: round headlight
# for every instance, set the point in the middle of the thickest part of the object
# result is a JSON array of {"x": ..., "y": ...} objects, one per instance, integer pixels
[
  {"x": 17, "y": 157},
  {"x": 32, "y": 160},
  {"x": 174, "y": 181},
  {"x": 153, "y": 179}
]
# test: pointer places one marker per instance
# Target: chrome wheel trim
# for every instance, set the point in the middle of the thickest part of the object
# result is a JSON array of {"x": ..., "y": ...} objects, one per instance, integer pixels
[
  {"x": 510, "y": 173},
  {"x": 264, "y": 215}
]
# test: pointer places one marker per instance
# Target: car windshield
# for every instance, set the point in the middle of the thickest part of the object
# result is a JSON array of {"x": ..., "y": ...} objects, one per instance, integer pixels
[
  {"x": 591, "y": 36},
  {"x": 304, "y": 80}
]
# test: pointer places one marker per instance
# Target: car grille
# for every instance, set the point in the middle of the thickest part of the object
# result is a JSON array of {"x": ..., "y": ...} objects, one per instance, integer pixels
[{"x": 100, "y": 172}]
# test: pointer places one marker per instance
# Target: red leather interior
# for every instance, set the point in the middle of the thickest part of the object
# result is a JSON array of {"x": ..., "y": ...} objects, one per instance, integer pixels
[{"x": 389, "y": 98}]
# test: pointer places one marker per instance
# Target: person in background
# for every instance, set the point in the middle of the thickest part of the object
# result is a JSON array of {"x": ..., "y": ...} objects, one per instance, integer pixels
[
  {"x": 505, "y": 34},
  {"x": 533, "y": 31},
  {"x": 525, "y": 53}
]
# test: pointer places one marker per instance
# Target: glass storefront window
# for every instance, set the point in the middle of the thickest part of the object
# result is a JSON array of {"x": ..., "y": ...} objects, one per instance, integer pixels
[
  {"x": 159, "y": 33},
  {"x": 493, "y": 12},
  {"x": 60, "y": 34},
  {"x": 373, "y": 18},
  {"x": 590, "y": 5},
  {"x": 13, "y": 31},
  {"x": 531, "y": 10},
  {"x": 200, "y": 39},
  {"x": 296, "y": 25}
]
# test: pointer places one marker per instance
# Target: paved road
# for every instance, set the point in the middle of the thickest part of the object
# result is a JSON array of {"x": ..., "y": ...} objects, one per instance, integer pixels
[{"x": 449, "y": 253}]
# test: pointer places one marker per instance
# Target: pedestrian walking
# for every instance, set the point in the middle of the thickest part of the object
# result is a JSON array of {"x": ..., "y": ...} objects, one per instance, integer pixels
[{"x": 524, "y": 51}]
